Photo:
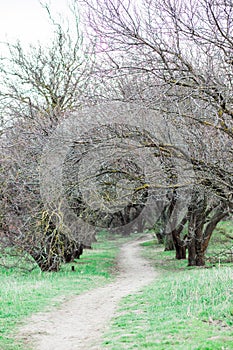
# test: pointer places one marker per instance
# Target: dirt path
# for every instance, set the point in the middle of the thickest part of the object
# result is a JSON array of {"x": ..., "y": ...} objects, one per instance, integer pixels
[{"x": 79, "y": 324}]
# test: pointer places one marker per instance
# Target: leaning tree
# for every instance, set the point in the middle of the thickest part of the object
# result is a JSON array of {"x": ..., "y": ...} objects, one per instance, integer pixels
[
  {"x": 40, "y": 85},
  {"x": 176, "y": 58}
]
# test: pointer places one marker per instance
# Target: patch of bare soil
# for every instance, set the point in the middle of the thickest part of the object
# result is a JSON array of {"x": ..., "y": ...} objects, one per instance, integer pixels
[{"x": 81, "y": 322}]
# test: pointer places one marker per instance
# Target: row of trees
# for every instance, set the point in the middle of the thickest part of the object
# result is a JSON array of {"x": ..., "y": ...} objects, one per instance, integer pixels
[
  {"x": 165, "y": 159},
  {"x": 176, "y": 57}
]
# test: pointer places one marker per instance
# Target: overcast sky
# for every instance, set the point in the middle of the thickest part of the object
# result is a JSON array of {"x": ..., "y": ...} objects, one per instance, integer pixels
[{"x": 27, "y": 20}]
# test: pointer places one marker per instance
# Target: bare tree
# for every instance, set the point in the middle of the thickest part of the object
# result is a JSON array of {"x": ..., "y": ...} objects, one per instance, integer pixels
[
  {"x": 39, "y": 85},
  {"x": 176, "y": 58}
]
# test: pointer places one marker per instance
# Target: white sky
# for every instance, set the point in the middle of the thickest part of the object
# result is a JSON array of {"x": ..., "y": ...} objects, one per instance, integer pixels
[{"x": 27, "y": 20}]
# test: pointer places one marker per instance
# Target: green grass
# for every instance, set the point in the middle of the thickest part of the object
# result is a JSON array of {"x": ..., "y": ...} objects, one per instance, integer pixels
[
  {"x": 220, "y": 249},
  {"x": 24, "y": 293},
  {"x": 183, "y": 309}
]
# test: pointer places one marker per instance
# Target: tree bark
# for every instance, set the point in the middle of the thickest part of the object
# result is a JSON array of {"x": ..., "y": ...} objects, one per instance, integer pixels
[
  {"x": 195, "y": 230},
  {"x": 180, "y": 244},
  {"x": 219, "y": 215},
  {"x": 192, "y": 254},
  {"x": 169, "y": 244}
]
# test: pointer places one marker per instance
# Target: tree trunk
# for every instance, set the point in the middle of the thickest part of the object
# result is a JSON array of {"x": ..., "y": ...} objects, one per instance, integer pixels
[
  {"x": 169, "y": 245},
  {"x": 192, "y": 254},
  {"x": 180, "y": 249},
  {"x": 198, "y": 236},
  {"x": 200, "y": 258},
  {"x": 219, "y": 215},
  {"x": 200, "y": 254},
  {"x": 196, "y": 254},
  {"x": 195, "y": 230},
  {"x": 180, "y": 244}
]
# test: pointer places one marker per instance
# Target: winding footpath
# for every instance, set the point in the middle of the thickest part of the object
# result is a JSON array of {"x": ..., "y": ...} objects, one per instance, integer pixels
[{"x": 80, "y": 323}]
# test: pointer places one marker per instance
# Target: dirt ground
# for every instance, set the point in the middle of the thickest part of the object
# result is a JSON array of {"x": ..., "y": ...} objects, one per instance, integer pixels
[{"x": 81, "y": 322}]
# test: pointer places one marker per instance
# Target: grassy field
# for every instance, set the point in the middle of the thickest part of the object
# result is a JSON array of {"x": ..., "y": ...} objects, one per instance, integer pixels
[
  {"x": 24, "y": 293},
  {"x": 185, "y": 308}
]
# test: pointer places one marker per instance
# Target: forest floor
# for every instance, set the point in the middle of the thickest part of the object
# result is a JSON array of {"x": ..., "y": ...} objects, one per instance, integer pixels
[{"x": 81, "y": 322}]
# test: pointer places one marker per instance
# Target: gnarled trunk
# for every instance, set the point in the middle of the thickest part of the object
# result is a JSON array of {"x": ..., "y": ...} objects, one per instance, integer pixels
[{"x": 202, "y": 223}]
